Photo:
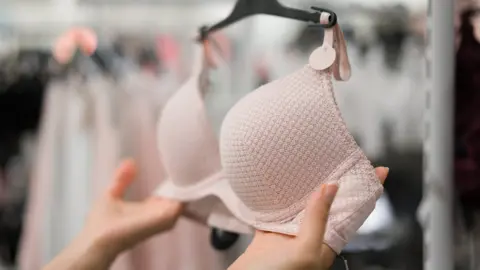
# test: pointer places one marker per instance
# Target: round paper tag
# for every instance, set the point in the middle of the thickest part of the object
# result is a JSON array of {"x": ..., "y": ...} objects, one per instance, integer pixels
[{"x": 322, "y": 58}]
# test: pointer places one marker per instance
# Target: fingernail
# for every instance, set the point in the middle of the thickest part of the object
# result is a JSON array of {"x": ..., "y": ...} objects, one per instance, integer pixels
[
  {"x": 330, "y": 192},
  {"x": 322, "y": 190}
]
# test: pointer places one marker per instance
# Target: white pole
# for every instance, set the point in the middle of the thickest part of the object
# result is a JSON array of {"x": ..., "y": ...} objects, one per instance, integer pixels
[{"x": 437, "y": 206}]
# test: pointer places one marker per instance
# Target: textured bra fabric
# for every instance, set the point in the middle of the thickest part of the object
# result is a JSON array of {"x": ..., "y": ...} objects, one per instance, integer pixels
[{"x": 282, "y": 141}]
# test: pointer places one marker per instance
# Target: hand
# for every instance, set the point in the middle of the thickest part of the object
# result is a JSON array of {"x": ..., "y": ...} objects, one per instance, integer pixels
[
  {"x": 115, "y": 225},
  {"x": 272, "y": 251},
  {"x": 119, "y": 224}
]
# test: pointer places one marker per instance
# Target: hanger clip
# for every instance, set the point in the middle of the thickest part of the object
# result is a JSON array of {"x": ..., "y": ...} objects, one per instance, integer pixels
[
  {"x": 332, "y": 21},
  {"x": 345, "y": 262}
]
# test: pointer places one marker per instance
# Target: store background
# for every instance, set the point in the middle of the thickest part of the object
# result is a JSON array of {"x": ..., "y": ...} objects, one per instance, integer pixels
[{"x": 382, "y": 104}]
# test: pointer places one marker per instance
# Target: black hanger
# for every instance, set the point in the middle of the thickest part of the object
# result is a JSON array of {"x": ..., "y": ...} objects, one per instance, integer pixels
[
  {"x": 246, "y": 8},
  {"x": 222, "y": 240},
  {"x": 98, "y": 61},
  {"x": 101, "y": 63}
]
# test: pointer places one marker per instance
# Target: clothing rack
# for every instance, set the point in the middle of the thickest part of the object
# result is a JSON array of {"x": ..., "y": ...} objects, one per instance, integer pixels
[{"x": 436, "y": 211}]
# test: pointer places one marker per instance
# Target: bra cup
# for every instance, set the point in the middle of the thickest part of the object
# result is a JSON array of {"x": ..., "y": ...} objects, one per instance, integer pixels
[
  {"x": 187, "y": 143},
  {"x": 270, "y": 142},
  {"x": 191, "y": 156}
]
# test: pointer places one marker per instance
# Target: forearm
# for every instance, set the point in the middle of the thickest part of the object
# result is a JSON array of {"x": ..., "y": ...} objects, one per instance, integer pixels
[{"x": 82, "y": 256}]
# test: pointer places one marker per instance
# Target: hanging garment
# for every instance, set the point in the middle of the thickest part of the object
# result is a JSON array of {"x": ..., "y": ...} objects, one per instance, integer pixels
[
  {"x": 68, "y": 197},
  {"x": 190, "y": 151},
  {"x": 31, "y": 256},
  {"x": 467, "y": 122},
  {"x": 106, "y": 147},
  {"x": 72, "y": 190},
  {"x": 139, "y": 106},
  {"x": 21, "y": 98},
  {"x": 106, "y": 143},
  {"x": 280, "y": 142},
  {"x": 12, "y": 201},
  {"x": 467, "y": 134},
  {"x": 62, "y": 190}
]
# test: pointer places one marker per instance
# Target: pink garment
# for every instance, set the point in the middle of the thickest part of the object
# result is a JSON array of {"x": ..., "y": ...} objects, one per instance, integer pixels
[
  {"x": 106, "y": 138},
  {"x": 30, "y": 253},
  {"x": 106, "y": 149},
  {"x": 190, "y": 151}
]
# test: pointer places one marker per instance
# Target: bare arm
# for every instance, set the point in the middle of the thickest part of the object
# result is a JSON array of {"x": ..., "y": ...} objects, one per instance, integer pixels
[{"x": 81, "y": 255}]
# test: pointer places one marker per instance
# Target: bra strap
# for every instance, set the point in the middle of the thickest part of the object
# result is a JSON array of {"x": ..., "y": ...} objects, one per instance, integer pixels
[
  {"x": 333, "y": 38},
  {"x": 342, "y": 69},
  {"x": 208, "y": 55}
]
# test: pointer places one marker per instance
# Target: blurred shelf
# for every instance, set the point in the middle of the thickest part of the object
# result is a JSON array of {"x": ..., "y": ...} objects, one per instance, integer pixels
[
  {"x": 152, "y": 2},
  {"x": 50, "y": 18}
]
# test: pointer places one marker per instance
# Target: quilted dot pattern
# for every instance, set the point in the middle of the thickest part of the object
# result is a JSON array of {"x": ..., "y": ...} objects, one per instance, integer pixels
[
  {"x": 287, "y": 135},
  {"x": 280, "y": 142},
  {"x": 355, "y": 204}
]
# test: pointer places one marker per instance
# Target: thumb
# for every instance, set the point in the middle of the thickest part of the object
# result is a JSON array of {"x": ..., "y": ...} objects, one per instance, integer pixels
[{"x": 316, "y": 216}]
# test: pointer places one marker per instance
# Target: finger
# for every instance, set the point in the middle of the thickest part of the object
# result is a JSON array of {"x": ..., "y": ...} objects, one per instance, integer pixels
[
  {"x": 316, "y": 215},
  {"x": 155, "y": 215},
  {"x": 124, "y": 176},
  {"x": 382, "y": 173},
  {"x": 169, "y": 208}
]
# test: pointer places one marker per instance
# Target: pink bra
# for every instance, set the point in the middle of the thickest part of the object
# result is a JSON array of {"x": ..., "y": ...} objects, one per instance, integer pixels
[
  {"x": 190, "y": 152},
  {"x": 281, "y": 142},
  {"x": 277, "y": 145}
]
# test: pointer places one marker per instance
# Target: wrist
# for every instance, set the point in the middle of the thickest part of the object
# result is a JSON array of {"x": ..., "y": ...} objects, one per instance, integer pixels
[
  {"x": 95, "y": 250},
  {"x": 265, "y": 242},
  {"x": 328, "y": 256},
  {"x": 92, "y": 255}
]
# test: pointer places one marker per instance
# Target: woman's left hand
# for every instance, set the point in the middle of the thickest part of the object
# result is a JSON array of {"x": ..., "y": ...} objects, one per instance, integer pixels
[{"x": 115, "y": 225}]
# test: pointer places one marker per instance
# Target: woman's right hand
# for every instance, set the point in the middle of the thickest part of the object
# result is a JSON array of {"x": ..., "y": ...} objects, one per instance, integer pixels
[{"x": 306, "y": 251}]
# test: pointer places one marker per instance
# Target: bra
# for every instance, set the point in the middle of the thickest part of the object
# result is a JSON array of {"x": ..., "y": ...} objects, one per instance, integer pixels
[
  {"x": 278, "y": 144},
  {"x": 282, "y": 141},
  {"x": 190, "y": 151}
]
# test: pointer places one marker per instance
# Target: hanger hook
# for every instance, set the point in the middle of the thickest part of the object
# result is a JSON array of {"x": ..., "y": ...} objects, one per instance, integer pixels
[
  {"x": 332, "y": 21},
  {"x": 203, "y": 33}
]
